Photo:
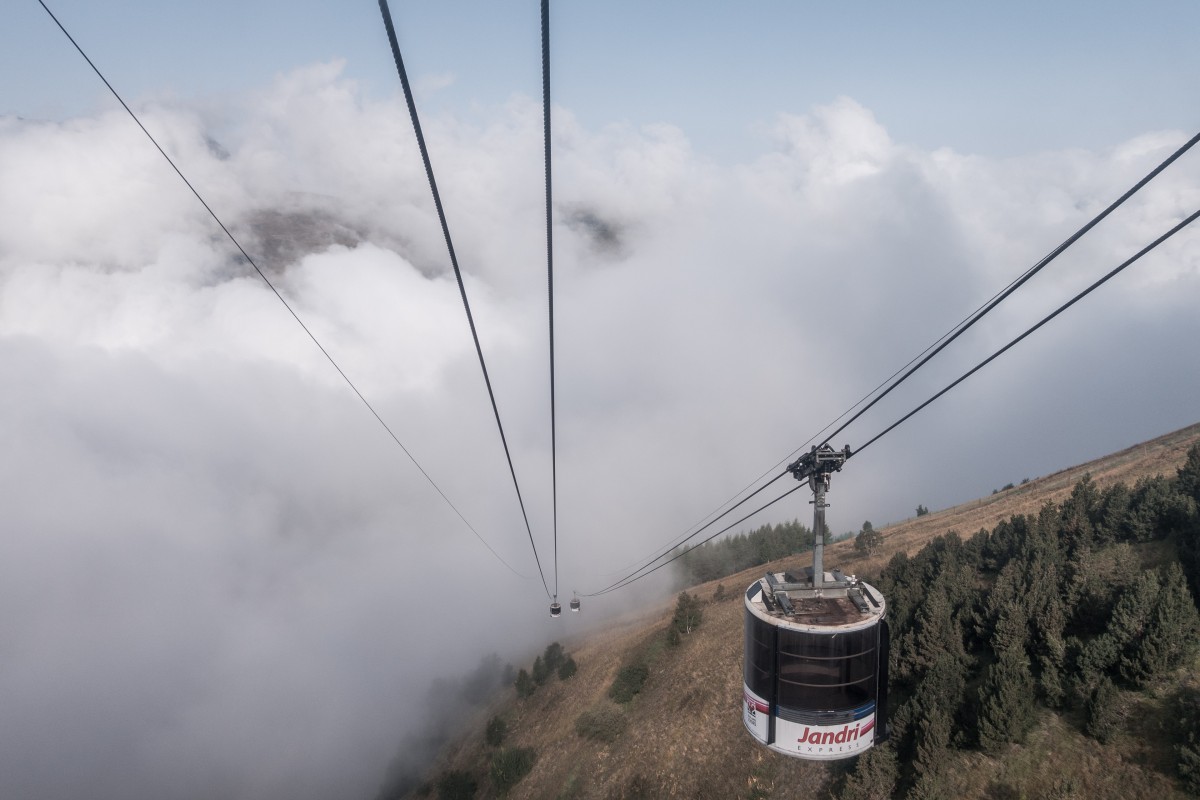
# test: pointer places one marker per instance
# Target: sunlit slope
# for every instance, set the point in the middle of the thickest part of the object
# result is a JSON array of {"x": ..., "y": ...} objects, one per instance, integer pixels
[{"x": 1160, "y": 456}]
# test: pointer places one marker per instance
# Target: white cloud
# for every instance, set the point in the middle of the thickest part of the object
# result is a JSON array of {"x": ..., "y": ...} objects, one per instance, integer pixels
[{"x": 429, "y": 84}]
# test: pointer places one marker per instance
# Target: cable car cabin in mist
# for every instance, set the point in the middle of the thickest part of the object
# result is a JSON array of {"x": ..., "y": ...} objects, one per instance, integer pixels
[{"x": 815, "y": 669}]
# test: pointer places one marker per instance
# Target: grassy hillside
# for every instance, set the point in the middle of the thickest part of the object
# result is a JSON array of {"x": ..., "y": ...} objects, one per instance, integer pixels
[
  {"x": 682, "y": 736},
  {"x": 1161, "y": 456}
]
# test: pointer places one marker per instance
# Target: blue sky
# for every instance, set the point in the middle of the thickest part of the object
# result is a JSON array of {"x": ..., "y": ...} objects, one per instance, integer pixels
[{"x": 990, "y": 79}]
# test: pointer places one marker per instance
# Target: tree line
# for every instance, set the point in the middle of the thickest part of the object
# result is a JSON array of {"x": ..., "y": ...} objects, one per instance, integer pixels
[{"x": 731, "y": 554}]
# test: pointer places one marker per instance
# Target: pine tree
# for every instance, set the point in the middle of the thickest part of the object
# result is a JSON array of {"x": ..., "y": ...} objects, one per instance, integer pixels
[
  {"x": 1170, "y": 635},
  {"x": 553, "y": 656},
  {"x": 937, "y": 633},
  {"x": 1187, "y": 483},
  {"x": 936, "y": 701},
  {"x": 1131, "y": 620},
  {"x": 1187, "y": 715},
  {"x": 874, "y": 776},
  {"x": 495, "y": 732},
  {"x": 1005, "y": 708},
  {"x": 540, "y": 671},
  {"x": 1116, "y": 649},
  {"x": 1047, "y": 624},
  {"x": 933, "y": 735},
  {"x": 1115, "y": 521},
  {"x": 1009, "y": 588},
  {"x": 869, "y": 540},
  {"x": 1103, "y": 711},
  {"x": 934, "y": 785},
  {"x": 1187, "y": 478},
  {"x": 525, "y": 685},
  {"x": 1160, "y": 509},
  {"x": 688, "y": 615},
  {"x": 1075, "y": 518}
]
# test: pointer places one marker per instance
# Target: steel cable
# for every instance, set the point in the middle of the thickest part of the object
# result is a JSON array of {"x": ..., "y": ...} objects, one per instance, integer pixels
[
  {"x": 930, "y": 352},
  {"x": 1100, "y": 282},
  {"x": 275, "y": 290},
  {"x": 550, "y": 274},
  {"x": 462, "y": 289},
  {"x": 1097, "y": 284}
]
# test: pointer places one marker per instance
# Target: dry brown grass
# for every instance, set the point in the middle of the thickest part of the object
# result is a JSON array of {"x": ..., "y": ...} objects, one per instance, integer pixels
[
  {"x": 685, "y": 737},
  {"x": 1057, "y": 763},
  {"x": 1161, "y": 456}
]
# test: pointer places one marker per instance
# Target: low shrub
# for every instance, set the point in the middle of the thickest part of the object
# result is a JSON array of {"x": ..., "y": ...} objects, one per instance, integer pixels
[
  {"x": 509, "y": 766},
  {"x": 604, "y": 724},
  {"x": 495, "y": 732},
  {"x": 629, "y": 682},
  {"x": 457, "y": 785}
]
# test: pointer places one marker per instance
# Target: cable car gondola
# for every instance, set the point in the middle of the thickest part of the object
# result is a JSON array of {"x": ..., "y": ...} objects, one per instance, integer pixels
[
  {"x": 816, "y": 649},
  {"x": 575, "y": 604}
]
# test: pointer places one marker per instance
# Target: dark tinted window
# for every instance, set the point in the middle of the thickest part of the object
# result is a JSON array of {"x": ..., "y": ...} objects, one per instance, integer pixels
[
  {"x": 825, "y": 672},
  {"x": 822, "y": 645},
  {"x": 759, "y": 664},
  {"x": 825, "y": 698}
]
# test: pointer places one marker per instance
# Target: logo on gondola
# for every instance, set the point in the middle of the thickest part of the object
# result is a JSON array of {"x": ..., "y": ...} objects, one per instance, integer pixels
[{"x": 844, "y": 736}]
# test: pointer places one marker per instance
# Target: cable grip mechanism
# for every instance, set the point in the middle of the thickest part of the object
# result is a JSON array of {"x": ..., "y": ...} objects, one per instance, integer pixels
[
  {"x": 816, "y": 466},
  {"x": 823, "y": 461}
]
